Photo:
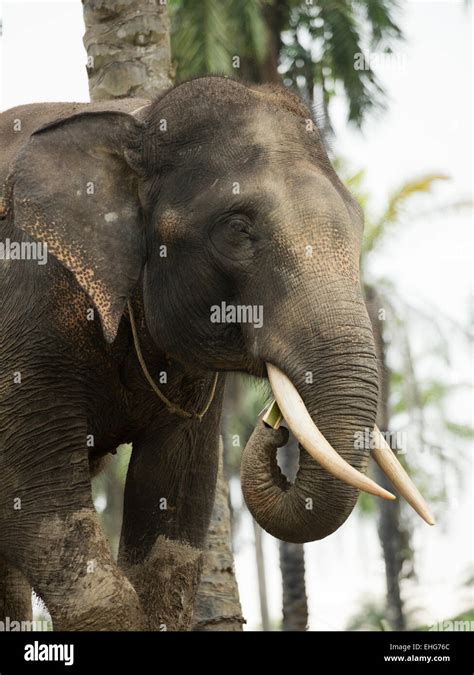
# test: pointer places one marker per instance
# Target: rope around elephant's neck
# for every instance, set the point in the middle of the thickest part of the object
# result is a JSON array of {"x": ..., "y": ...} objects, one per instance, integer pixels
[{"x": 173, "y": 408}]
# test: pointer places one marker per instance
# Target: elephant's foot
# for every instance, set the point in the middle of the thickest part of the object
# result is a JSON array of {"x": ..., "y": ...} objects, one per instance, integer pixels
[
  {"x": 167, "y": 583},
  {"x": 74, "y": 574},
  {"x": 15, "y": 596}
]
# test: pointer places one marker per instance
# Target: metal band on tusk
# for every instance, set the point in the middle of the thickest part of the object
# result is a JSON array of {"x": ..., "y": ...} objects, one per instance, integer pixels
[{"x": 273, "y": 417}]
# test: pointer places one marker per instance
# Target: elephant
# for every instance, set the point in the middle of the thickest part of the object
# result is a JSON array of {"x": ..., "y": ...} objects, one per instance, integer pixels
[{"x": 218, "y": 194}]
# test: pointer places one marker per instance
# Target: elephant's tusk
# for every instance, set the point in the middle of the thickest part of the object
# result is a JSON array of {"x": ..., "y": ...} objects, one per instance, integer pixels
[
  {"x": 387, "y": 461},
  {"x": 307, "y": 433}
]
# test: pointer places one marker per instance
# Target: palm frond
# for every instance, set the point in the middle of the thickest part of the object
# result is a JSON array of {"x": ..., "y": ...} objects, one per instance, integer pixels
[
  {"x": 380, "y": 16},
  {"x": 342, "y": 41},
  {"x": 200, "y": 36},
  {"x": 251, "y": 36},
  {"x": 397, "y": 202}
]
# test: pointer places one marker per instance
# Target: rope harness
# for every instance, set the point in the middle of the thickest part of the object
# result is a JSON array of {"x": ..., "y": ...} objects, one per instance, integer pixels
[{"x": 173, "y": 408}]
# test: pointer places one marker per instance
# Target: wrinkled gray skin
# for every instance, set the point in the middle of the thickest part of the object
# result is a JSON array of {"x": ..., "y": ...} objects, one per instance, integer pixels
[{"x": 234, "y": 182}]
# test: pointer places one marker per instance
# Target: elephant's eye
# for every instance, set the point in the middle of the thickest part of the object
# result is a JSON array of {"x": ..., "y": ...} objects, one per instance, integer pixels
[
  {"x": 232, "y": 238},
  {"x": 239, "y": 224}
]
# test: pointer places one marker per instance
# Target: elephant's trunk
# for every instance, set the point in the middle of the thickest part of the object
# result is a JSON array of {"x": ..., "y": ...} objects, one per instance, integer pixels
[{"x": 338, "y": 384}]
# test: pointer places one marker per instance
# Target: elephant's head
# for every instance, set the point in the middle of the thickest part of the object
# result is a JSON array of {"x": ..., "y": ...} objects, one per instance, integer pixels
[{"x": 221, "y": 196}]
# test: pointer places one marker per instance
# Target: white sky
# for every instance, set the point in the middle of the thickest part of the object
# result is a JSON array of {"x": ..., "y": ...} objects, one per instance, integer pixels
[{"x": 427, "y": 129}]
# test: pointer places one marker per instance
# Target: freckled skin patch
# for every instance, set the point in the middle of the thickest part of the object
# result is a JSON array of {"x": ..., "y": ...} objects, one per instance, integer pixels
[
  {"x": 70, "y": 309},
  {"x": 75, "y": 259},
  {"x": 171, "y": 226}
]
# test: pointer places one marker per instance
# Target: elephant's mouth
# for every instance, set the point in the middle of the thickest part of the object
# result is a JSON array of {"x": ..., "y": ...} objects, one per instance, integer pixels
[{"x": 290, "y": 406}]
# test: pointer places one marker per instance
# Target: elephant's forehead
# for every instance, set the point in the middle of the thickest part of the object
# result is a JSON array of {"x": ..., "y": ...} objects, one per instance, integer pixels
[
  {"x": 252, "y": 141},
  {"x": 280, "y": 136}
]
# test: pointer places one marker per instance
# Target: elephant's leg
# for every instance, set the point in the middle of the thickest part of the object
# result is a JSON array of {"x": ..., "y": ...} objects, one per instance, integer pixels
[
  {"x": 49, "y": 528},
  {"x": 15, "y": 594},
  {"x": 169, "y": 496}
]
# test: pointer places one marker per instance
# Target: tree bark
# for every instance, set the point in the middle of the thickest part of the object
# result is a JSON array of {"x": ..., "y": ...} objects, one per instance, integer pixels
[
  {"x": 217, "y": 607},
  {"x": 292, "y": 564},
  {"x": 389, "y": 529},
  {"x": 274, "y": 14},
  {"x": 128, "y": 48}
]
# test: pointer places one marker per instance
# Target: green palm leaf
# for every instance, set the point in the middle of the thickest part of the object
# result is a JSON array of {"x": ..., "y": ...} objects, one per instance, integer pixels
[
  {"x": 375, "y": 231},
  {"x": 200, "y": 35},
  {"x": 250, "y": 33}
]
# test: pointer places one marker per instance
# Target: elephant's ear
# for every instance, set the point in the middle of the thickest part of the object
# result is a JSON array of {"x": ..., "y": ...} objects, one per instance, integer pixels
[{"x": 74, "y": 189}]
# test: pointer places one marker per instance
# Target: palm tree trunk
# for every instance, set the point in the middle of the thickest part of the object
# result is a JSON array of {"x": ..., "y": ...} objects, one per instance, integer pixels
[
  {"x": 274, "y": 15},
  {"x": 128, "y": 48},
  {"x": 295, "y": 601},
  {"x": 389, "y": 527},
  {"x": 217, "y": 605}
]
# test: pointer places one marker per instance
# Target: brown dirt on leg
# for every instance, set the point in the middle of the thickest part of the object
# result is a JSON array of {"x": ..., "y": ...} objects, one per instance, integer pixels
[
  {"x": 167, "y": 583},
  {"x": 78, "y": 579}
]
